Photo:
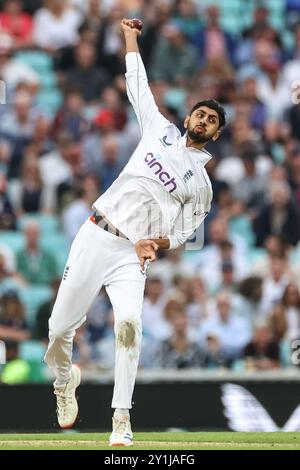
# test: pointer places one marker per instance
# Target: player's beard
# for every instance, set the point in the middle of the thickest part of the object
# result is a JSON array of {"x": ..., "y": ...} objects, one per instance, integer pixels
[{"x": 198, "y": 138}]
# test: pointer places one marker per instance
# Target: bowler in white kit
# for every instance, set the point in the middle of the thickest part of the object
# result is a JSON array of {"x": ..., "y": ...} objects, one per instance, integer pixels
[{"x": 158, "y": 201}]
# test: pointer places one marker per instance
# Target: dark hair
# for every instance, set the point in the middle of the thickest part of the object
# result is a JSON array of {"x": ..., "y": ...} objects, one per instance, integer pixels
[{"x": 212, "y": 104}]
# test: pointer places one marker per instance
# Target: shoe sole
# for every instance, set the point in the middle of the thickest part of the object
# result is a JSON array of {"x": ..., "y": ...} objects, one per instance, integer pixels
[
  {"x": 78, "y": 380},
  {"x": 121, "y": 444}
]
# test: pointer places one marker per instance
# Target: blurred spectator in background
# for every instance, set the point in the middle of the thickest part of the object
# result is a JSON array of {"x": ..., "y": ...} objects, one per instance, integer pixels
[
  {"x": 233, "y": 332},
  {"x": 262, "y": 353},
  {"x": 293, "y": 116},
  {"x": 77, "y": 212},
  {"x": 70, "y": 118},
  {"x": 179, "y": 351},
  {"x": 285, "y": 318},
  {"x": 154, "y": 322},
  {"x": 170, "y": 265},
  {"x": 41, "y": 330},
  {"x": 159, "y": 15},
  {"x": 110, "y": 164},
  {"x": 57, "y": 168},
  {"x": 35, "y": 264},
  {"x": 275, "y": 283},
  {"x": 56, "y": 25},
  {"x": 13, "y": 71},
  {"x": 7, "y": 214},
  {"x": 250, "y": 189},
  {"x": 175, "y": 60},
  {"x": 249, "y": 302},
  {"x": 208, "y": 262},
  {"x": 103, "y": 125},
  {"x": 109, "y": 45},
  {"x": 29, "y": 194},
  {"x": 279, "y": 216},
  {"x": 212, "y": 41},
  {"x": 197, "y": 301},
  {"x": 13, "y": 326},
  {"x": 214, "y": 357},
  {"x": 16, "y": 23},
  {"x": 19, "y": 121},
  {"x": 87, "y": 77}
]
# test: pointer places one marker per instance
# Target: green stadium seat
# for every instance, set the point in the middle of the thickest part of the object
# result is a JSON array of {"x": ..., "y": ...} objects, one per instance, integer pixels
[
  {"x": 48, "y": 80},
  {"x": 40, "y": 61},
  {"x": 256, "y": 254},
  {"x": 242, "y": 226},
  {"x": 59, "y": 246},
  {"x": 33, "y": 297},
  {"x": 15, "y": 240},
  {"x": 32, "y": 350},
  {"x": 48, "y": 223},
  {"x": 49, "y": 101}
]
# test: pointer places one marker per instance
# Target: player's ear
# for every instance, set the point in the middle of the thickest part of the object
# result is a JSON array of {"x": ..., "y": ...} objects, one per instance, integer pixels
[
  {"x": 216, "y": 135},
  {"x": 186, "y": 122}
]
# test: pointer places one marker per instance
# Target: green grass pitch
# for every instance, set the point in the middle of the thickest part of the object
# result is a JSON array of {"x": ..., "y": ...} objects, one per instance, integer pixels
[{"x": 154, "y": 441}]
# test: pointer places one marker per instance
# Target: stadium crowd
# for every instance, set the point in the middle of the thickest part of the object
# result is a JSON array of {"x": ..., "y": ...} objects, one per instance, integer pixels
[{"x": 66, "y": 132}]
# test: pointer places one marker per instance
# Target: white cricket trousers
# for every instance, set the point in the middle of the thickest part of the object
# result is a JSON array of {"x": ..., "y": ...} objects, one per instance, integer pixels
[{"x": 98, "y": 258}]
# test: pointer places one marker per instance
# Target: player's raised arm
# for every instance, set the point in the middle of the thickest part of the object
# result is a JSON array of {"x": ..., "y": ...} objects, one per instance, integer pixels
[{"x": 138, "y": 91}]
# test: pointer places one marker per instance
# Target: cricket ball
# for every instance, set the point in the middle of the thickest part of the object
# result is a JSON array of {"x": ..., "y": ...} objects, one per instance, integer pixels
[{"x": 137, "y": 24}]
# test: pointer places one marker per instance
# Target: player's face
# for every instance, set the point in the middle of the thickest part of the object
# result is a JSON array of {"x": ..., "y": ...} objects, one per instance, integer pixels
[{"x": 202, "y": 125}]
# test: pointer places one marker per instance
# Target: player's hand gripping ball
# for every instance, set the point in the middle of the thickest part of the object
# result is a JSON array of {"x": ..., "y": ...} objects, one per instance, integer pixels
[{"x": 137, "y": 24}]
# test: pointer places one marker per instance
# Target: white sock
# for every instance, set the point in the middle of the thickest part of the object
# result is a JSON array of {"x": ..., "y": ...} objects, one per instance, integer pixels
[{"x": 122, "y": 411}]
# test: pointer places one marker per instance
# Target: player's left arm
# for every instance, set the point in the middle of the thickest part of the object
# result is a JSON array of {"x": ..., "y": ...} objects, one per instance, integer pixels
[{"x": 189, "y": 219}]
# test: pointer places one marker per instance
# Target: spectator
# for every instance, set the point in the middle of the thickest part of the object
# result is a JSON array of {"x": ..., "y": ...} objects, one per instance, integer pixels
[
  {"x": 41, "y": 330},
  {"x": 154, "y": 322},
  {"x": 179, "y": 351},
  {"x": 14, "y": 72},
  {"x": 13, "y": 326},
  {"x": 251, "y": 188},
  {"x": 231, "y": 331},
  {"x": 56, "y": 25},
  {"x": 174, "y": 61},
  {"x": 88, "y": 78},
  {"x": 285, "y": 318},
  {"x": 278, "y": 217},
  {"x": 7, "y": 214},
  {"x": 16, "y": 23},
  {"x": 56, "y": 168},
  {"x": 29, "y": 195},
  {"x": 36, "y": 265},
  {"x": 212, "y": 42},
  {"x": 262, "y": 353},
  {"x": 70, "y": 118},
  {"x": 19, "y": 122},
  {"x": 75, "y": 214}
]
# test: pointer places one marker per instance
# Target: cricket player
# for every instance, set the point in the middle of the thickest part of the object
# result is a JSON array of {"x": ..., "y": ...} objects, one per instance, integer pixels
[{"x": 158, "y": 201}]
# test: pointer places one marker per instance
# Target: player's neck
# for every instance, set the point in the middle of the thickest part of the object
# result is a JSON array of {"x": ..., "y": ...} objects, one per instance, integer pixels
[{"x": 193, "y": 144}]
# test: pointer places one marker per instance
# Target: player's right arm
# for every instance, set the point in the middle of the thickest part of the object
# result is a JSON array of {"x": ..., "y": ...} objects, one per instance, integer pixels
[{"x": 138, "y": 90}]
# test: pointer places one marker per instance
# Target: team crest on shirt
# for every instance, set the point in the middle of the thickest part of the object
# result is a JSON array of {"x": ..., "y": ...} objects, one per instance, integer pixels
[
  {"x": 188, "y": 175},
  {"x": 163, "y": 140}
]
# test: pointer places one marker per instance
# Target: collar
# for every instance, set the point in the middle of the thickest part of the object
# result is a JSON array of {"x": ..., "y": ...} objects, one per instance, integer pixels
[{"x": 202, "y": 155}]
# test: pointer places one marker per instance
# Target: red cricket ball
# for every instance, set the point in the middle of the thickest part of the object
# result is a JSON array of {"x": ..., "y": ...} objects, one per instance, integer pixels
[{"x": 137, "y": 24}]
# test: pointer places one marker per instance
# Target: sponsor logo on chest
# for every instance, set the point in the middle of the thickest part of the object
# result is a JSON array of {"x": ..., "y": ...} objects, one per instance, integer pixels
[{"x": 168, "y": 181}]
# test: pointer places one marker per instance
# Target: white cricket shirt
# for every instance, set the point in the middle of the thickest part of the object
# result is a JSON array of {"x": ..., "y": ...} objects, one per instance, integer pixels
[{"x": 164, "y": 190}]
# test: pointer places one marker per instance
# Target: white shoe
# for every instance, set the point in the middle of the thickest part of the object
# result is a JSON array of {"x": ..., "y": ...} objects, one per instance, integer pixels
[
  {"x": 67, "y": 407},
  {"x": 121, "y": 434}
]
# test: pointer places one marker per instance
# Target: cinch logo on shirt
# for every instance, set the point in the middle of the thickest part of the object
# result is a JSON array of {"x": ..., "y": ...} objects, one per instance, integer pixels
[{"x": 160, "y": 172}]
